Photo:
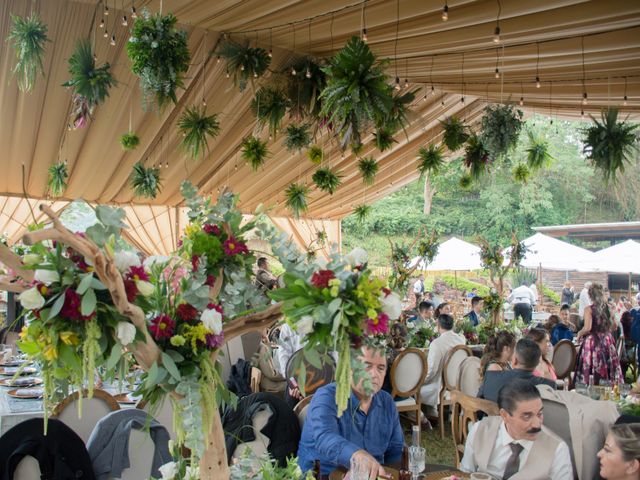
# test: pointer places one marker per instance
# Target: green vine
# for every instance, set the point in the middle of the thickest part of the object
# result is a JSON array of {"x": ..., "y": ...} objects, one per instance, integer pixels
[{"x": 29, "y": 36}]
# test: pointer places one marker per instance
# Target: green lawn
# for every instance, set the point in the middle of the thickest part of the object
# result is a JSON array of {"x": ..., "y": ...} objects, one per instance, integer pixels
[{"x": 438, "y": 451}]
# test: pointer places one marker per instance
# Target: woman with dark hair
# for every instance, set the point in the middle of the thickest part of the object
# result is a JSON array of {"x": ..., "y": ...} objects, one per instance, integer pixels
[
  {"x": 620, "y": 456},
  {"x": 545, "y": 368},
  {"x": 498, "y": 352},
  {"x": 444, "y": 307},
  {"x": 597, "y": 356}
]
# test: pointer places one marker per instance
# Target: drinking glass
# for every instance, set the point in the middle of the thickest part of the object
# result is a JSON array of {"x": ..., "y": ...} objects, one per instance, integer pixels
[
  {"x": 417, "y": 460},
  {"x": 480, "y": 476},
  {"x": 581, "y": 388},
  {"x": 625, "y": 389},
  {"x": 358, "y": 469}
]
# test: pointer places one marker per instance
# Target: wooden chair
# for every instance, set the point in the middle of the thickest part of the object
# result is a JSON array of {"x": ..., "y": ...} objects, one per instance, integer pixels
[
  {"x": 163, "y": 414},
  {"x": 464, "y": 412},
  {"x": 256, "y": 377},
  {"x": 301, "y": 409},
  {"x": 314, "y": 377},
  {"x": 408, "y": 372},
  {"x": 93, "y": 409},
  {"x": 450, "y": 376},
  {"x": 27, "y": 469},
  {"x": 564, "y": 358},
  {"x": 469, "y": 380}
]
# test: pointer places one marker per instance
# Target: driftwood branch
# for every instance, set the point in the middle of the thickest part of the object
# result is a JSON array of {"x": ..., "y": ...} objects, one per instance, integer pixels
[
  {"x": 255, "y": 321},
  {"x": 14, "y": 262}
]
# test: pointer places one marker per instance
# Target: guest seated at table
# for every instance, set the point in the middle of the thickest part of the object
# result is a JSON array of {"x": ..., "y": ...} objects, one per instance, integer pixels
[
  {"x": 545, "y": 367},
  {"x": 516, "y": 445},
  {"x": 620, "y": 456},
  {"x": 368, "y": 431},
  {"x": 476, "y": 308},
  {"x": 443, "y": 308},
  {"x": 525, "y": 361},
  {"x": 559, "y": 326},
  {"x": 425, "y": 314},
  {"x": 498, "y": 352}
]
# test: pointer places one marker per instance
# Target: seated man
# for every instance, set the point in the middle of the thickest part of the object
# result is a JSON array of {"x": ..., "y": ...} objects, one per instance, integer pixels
[
  {"x": 438, "y": 350},
  {"x": 525, "y": 361},
  {"x": 369, "y": 429},
  {"x": 476, "y": 309},
  {"x": 516, "y": 445},
  {"x": 424, "y": 316}
]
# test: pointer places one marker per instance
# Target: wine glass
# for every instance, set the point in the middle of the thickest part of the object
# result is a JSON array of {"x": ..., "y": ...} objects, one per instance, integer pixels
[
  {"x": 417, "y": 460},
  {"x": 358, "y": 469},
  {"x": 581, "y": 388}
]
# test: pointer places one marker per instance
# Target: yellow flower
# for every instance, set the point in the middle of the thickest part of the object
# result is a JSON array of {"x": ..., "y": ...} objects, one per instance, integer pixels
[
  {"x": 24, "y": 332},
  {"x": 69, "y": 338},
  {"x": 191, "y": 229},
  {"x": 334, "y": 282},
  {"x": 371, "y": 313},
  {"x": 335, "y": 291},
  {"x": 50, "y": 353},
  {"x": 177, "y": 340}
]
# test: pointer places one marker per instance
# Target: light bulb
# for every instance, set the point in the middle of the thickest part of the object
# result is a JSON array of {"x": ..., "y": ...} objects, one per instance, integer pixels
[
  {"x": 425, "y": 97},
  {"x": 625, "y": 101},
  {"x": 113, "y": 40},
  {"x": 106, "y": 34},
  {"x": 433, "y": 90},
  {"x": 364, "y": 35},
  {"x": 497, "y": 73},
  {"x": 462, "y": 100},
  {"x": 308, "y": 74},
  {"x": 134, "y": 13},
  {"x": 102, "y": 23},
  {"x": 293, "y": 71},
  {"x": 242, "y": 68},
  {"x": 106, "y": 11},
  {"x": 496, "y": 35},
  {"x": 397, "y": 86},
  {"x": 270, "y": 53},
  {"x": 521, "y": 101},
  {"x": 124, "y": 21},
  {"x": 584, "y": 98},
  {"x": 445, "y": 12},
  {"x": 406, "y": 83},
  {"x": 581, "y": 113},
  {"x": 537, "y": 82},
  {"x": 227, "y": 74},
  {"x": 218, "y": 59},
  {"x": 166, "y": 165},
  {"x": 204, "y": 102},
  {"x": 255, "y": 74}
]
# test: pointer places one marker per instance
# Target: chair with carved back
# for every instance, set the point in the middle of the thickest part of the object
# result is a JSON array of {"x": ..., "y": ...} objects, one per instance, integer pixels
[
  {"x": 314, "y": 377},
  {"x": 408, "y": 372},
  {"x": 469, "y": 379},
  {"x": 302, "y": 408},
  {"x": 564, "y": 358},
  {"x": 450, "y": 378},
  {"x": 93, "y": 409}
]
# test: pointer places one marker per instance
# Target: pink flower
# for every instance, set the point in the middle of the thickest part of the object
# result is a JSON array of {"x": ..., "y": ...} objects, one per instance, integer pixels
[
  {"x": 211, "y": 229},
  {"x": 162, "y": 326},
  {"x": 137, "y": 273},
  {"x": 379, "y": 324},
  {"x": 232, "y": 246},
  {"x": 215, "y": 341},
  {"x": 321, "y": 278}
]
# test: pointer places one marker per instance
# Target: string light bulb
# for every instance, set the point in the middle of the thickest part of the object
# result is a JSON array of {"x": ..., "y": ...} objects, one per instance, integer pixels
[
  {"x": 134, "y": 13},
  {"x": 125, "y": 23},
  {"x": 462, "y": 100},
  {"x": 255, "y": 74},
  {"x": 102, "y": 23},
  {"x": 496, "y": 35},
  {"x": 397, "y": 85},
  {"x": 106, "y": 10},
  {"x": 308, "y": 73},
  {"x": 166, "y": 164},
  {"x": 242, "y": 67},
  {"x": 204, "y": 102},
  {"x": 218, "y": 59},
  {"x": 106, "y": 33},
  {"x": 293, "y": 72},
  {"x": 537, "y": 82},
  {"x": 445, "y": 12},
  {"x": 424, "y": 98},
  {"x": 624, "y": 102},
  {"x": 584, "y": 98},
  {"x": 364, "y": 35},
  {"x": 270, "y": 53},
  {"x": 406, "y": 83},
  {"x": 521, "y": 101},
  {"x": 497, "y": 75},
  {"x": 227, "y": 74},
  {"x": 581, "y": 113},
  {"x": 113, "y": 40}
]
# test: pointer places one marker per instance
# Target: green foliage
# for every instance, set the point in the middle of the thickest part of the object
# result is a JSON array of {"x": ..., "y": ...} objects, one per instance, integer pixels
[
  {"x": 304, "y": 92},
  {"x": 145, "y": 181},
  {"x": 501, "y": 125},
  {"x": 521, "y": 173},
  {"x": 57, "y": 179},
  {"x": 254, "y": 151},
  {"x": 195, "y": 126},
  {"x": 538, "y": 155},
  {"x": 610, "y": 144},
  {"x": 397, "y": 117},
  {"x": 129, "y": 141},
  {"x": 29, "y": 36},
  {"x": 431, "y": 159},
  {"x": 361, "y": 212},
  {"x": 476, "y": 156},
  {"x": 159, "y": 55},
  {"x": 315, "y": 154},
  {"x": 369, "y": 169},
  {"x": 523, "y": 276},
  {"x": 243, "y": 61},
  {"x": 297, "y": 137},
  {"x": 384, "y": 139},
  {"x": 547, "y": 292},
  {"x": 270, "y": 106},
  {"x": 462, "y": 283},
  {"x": 326, "y": 180},
  {"x": 465, "y": 181},
  {"x": 454, "y": 133},
  {"x": 297, "y": 198}
]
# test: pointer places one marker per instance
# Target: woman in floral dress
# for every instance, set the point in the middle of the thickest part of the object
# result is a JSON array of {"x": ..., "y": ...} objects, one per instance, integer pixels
[{"x": 597, "y": 356}]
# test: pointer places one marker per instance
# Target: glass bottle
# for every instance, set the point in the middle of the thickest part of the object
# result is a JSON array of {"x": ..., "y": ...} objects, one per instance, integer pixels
[
  {"x": 404, "y": 473},
  {"x": 616, "y": 388},
  {"x": 415, "y": 436}
]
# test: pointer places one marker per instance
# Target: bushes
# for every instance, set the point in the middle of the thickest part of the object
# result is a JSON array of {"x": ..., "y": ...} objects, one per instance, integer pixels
[
  {"x": 464, "y": 284},
  {"x": 547, "y": 292}
]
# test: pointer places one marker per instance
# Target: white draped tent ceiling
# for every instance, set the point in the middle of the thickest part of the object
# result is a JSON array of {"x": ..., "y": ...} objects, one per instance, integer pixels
[{"x": 571, "y": 45}]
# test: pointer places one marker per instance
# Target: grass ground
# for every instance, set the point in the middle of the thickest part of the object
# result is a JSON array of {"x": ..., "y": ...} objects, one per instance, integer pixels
[{"x": 438, "y": 451}]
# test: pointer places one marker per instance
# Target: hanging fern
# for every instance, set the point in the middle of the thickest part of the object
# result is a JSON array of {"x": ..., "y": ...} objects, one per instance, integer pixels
[
  {"x": 90, "y": 84},
  {"x": 254, "y": 151},
  {"x": 384, "y": 139},
  {"x": 29, "y": 36},
  {"x": 369, "y": 169},
  {"x": 196, "y": 126},
  {"x": 521, "y": 173},
  {"x": 455, "y": 133},
  {"x": 315, "y": 154},
  {"x": 297, "y": 198},
  {"x": 476, "y": 156},
  {"x": 326, "y": 180},
  {"x": 465, "y": 181},
  {"x": 431, "y": 159},
  {"x": 361, "y": 212},
  {"x": 57, "y": 179},
  {"x": 270, "y": 106},
  {"x": 397, "y": 117},
  {"x": 129, "y": 141},
  {"x": 243, "y": 61},
  {"x": 298, "y": 137},
  {"x": 538, "y": 155},
  {"x": 145, "y": 181},
  {"x": 356, "y": 148},
  {"x": 501, "y": 125},
  {"x": 304, "y": 91}
]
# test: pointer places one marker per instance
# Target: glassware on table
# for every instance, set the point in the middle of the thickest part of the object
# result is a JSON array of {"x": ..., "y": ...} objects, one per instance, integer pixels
[
  {"x": 606, "y": 389},
  {"x": 480, "y": 476},
  {"x": 581, "y": 388},
  {"x": 358, "y": 469},
  {"x": 417, "y": 461},
  {"x": 625, "y": 389}
]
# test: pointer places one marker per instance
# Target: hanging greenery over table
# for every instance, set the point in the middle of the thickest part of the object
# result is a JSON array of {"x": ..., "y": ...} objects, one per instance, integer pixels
[
  {"x": 297, "y": 198},
  {"x": 476, "y": 156},
  {"x": 57, "y": 178},
  {"x": 196, "y": 126},
  {"x": 129, "y": 141},
  {"x": 326, "y": 180},
  {"x": 29, "y": 36},
  {"x": 145, "y": 181},
  {"x": 254, "y": 151},
  {"x": 455, "y": 133},
  {"x": 369, "y": 169},
  {"x": 297, "y": 137},
  {"x": 501, "y": 125},
  {"x": 315, "y": 154},
  {"x": 538, "y": 155},
  {"x": 431, "y": 159},
  {"x": 384, "y": 139},
  {"x": 270, "y": 106},
  {"x": 243, "y": 61}
]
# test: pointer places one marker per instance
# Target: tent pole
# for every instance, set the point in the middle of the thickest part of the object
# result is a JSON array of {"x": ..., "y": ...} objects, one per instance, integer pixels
[
  {"x": 455, "y": 276},
  {"x": 629, "y": 286}
]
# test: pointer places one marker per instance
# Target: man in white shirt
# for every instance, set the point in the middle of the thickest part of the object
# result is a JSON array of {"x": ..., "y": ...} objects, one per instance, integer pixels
[
  {"x": 516, "y": 445},
  {"x": 584, "y": 301},
  {"x": 523, "y": 300},
  {"x": 438, "y": 350},
  {"x": 418, "y": 289}
]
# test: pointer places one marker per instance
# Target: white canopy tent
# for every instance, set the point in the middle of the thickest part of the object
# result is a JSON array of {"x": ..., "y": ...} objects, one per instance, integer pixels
[
  {"x": 553, "y": 254},
  {"x": 621, "y": 258},
  {"x": 454, "y": 254}
]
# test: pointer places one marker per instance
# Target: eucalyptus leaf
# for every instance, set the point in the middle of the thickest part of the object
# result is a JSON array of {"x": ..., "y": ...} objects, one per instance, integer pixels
[
  {"x": 57, "y": 306},
  {"x": 170, "y": 365},
  {"x": 85, "y": 283},
  {"x": 114, "y": 357},
  {"x": 88, "y": 305}
]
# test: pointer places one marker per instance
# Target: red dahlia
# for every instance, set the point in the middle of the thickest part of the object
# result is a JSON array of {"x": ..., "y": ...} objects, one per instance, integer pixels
[{"x": 321, "y": 278}]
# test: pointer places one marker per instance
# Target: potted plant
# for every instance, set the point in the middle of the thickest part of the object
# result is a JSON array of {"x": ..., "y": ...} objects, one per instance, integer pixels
[
  {"x": 501, "y": 125},
  {"x": 28, "y": 36},
  {"x": 57, "y": 178}
]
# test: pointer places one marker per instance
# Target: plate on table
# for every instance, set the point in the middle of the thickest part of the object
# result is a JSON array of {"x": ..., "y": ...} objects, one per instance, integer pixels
[
  {"x": 14, "y": 370},
  {"x": 124, "y": 398},
  {"x": 25, "y": 393},
  {"x": 14, "y": 363},
  {"x": 21, "y": 382},
  {"x": 447, "y": 475}
]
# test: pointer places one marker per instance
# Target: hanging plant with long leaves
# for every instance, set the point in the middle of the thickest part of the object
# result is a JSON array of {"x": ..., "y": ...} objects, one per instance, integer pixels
[
  {"x": 361, "y": 212},
  {"x": 254, "y": 151},
  {"x": 538, "y": 155},
  {"x": 270, "y": 106},
  {"x": 368, "y": 169},
  {"x": 297, "y": 137},
  {"x": 521, "y": 173},
  {"x": 315, "y": 154},
  {"x": 29, "y": 36},
  {"x": 326, "y": 180},
  {"x": 57, "y": 178},
  {"x": 431, "y": 159},
  {"x": 384, "y": 139},
  {"x": 304, "y": 89},
  {"x": 129, "y": 141},
  {"x": 610, "y": 144},
  {"x": 159, "y": 55},
  {"x": 244, "y": 62},
  {"x": 90, "y": 84},
  {"x": 145, "y": 181},
  {"x": 465, "y": 181},
  {"x": 397, "y": 118},
  {"x": 455, "y": 133},
  {"x": 501, "y": 125},
  {"x": 196, "y": 126},
  {"x": 476, "y": 156},
  {"x": 297, "y": 199}
]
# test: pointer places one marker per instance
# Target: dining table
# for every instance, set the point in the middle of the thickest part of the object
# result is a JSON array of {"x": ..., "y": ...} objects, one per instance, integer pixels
[{"x": 432, "y": 471}]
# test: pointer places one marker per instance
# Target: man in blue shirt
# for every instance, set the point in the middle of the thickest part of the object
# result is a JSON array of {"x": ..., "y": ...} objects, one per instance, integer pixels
[
  {"x": 476, "y": 308},
  {"x": 368, "y": 431}
]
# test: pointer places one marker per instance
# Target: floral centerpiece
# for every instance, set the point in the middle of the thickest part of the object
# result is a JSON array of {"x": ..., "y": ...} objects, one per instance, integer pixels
[
  {"x": 465, "y": 328},
  {"x": 422, "y": 335},
  {"x": 267, "y": 469}
]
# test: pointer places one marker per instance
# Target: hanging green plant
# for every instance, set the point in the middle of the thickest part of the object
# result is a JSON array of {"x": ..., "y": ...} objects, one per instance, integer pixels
[
  {"x": 196, "y": 126},
  {"x": 609, "y": 144},
  {"x": 431, "y": 159},
  {"x": 145, "y": 181},
  {"x": 384, "y": 139},
  {"x": 356, "y": 148},
  {"x": 358, "y": 94},
  {"x": 454, "y": 133},
  {"x": 297, "y": 137},
  {"x": 159, "y": 55},
  {"x": 326, "y": 180},
  {"x": 270, "y": 106},
  {"x": 254, "y": 151},
  {"x": 501, "y": 125},
  {"x": 243, "y": 61},
  {"x": 538, "y": 155},
  {"x": 476, "y": 156},
  {"x": 521, "y": 173},
  {"x": 129, "y": 141},
  {"x": 361, "y": 212},
  {"x": 315, "y": 154},
  {"x": 369, "y": 169},
  {"x": 57, "y": 178},
  {"x": 29, "y": 36},
  {"x": 297, "y": 198},
  {"x": 397, "y": 117},
  {"x": 465, "y": 181},
  {"x": 303, "y": 90},
  {"x": 90, "y": 84}
]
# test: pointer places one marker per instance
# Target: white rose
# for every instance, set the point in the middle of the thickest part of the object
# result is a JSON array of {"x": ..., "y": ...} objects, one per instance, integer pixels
[
  {"x": 145, "y": 288},
  {"x": 357, "y": 256},
  {"x": 47, "y": 276},
  {"x": 31, "y": 259},
  {"x": 192, "y": 472},
  {"x": 125, "y": 259},
  {"x": 305, "y": 325},
  {"x": 31, "y": 299},
  {"x": 212, "y": 321},
  {"x": 391, "y": 305},
  {"x": 153, "y": 259},
  {"x": 168, "y": 471},
  {"x": 125, "y": 332}
]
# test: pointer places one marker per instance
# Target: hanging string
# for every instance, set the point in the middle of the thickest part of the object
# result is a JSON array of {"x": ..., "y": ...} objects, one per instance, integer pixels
[
  {"x": 395, "y": 48},
  {"x": 204, "y": 70},
  {"x": 331, "y": 32},
  {"x": 503, "y": 75}
]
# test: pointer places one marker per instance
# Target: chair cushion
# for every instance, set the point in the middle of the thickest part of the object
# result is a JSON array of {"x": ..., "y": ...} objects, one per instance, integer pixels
[{"x": 406, "y": 402}]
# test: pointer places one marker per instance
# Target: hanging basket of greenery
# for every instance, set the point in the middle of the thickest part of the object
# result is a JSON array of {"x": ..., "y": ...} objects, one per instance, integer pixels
[
  {"x": 196, "y": 126},
  {"x": 361, "y": 212},
  {"x": 297, "y": 137},
  {"x": 609, "y": 144},
  {"x": 90, "y": 84},
  {"x": 431, "y": 159},
  {"x": 145, "y": 181},
  {"x": 358, "y": 94},
  {"x": 159, "y": 55},
  {"x": 254, "y": 151},
  {"x": 454, "y": 133},
  {"x": 476, "y": 156},
  {"x": 465, "y": 181},
  {"x": 315, "y": 154},
  {"x": 369, "y": 169},
  {"x": 297, "y": 198},
  {"x": 521, "y": 173},
  {"x": 326, "y": 180},
  {"x": 270, "y": 106},
  {"x": 244, "y": 62},
  {"x": 303, "y": 90},
  {"x": 384, "y": 139},
  {"x": 57, "y": 178},
  {"x": 357, "y": 148},
  {"x": 538, "y": 155},
  {"x": 397, "y": 117},
  {"x": 501, "y": 125},
  {"x": 129, "y": 141},
  {"x": 29, "y": 36}
]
